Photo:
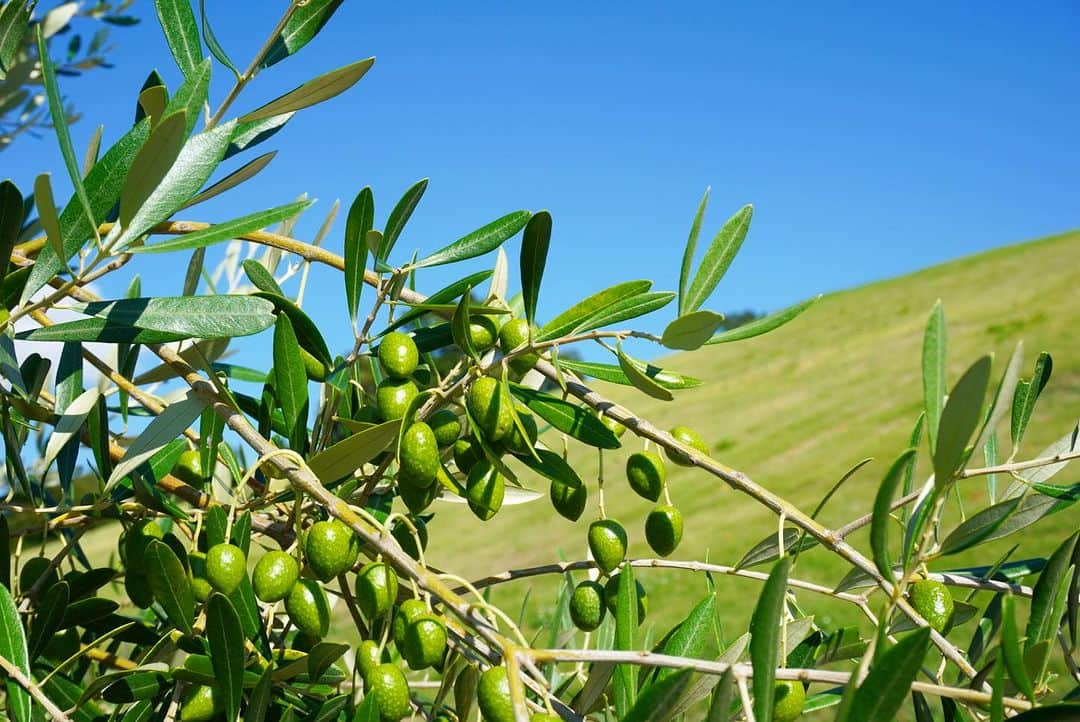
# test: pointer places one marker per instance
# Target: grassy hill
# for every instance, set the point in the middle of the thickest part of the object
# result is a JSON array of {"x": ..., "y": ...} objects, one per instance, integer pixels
[{"x": 797, "y": 408}]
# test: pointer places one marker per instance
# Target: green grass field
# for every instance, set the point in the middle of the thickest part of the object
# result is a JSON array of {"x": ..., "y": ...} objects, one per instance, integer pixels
[{"x": 795, "y": 409}]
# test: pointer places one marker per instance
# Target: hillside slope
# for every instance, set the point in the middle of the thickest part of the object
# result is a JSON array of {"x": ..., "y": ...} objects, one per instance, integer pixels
[{"x": 796, "y": 408}]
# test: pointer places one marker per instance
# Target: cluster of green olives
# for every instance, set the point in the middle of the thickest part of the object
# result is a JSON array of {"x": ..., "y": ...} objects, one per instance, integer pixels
[{"x": 421, "y": 473}]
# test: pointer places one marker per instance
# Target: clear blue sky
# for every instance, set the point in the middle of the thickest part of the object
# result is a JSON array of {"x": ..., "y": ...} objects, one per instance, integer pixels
[{"x": 872, "y": 140}]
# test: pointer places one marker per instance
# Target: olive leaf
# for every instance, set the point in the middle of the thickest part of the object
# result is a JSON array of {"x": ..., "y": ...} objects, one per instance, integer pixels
[
  {"x": 614, "y": 373},
  {"x": 688, "y": 253},
  {"x": 13, "y": 649},
  {"x": 959, "y": 419},
  {"x": 227, "y": 230},
  {"x": 399, "y": 216},
  {"x": 691, "y": 331},
  {"x": 181, "y": 33},
  {"x": 360, "y": 220},
  {"x": 534, "y": 250},
  {"x": 242, "y": 174},
  {"x": 170, "y": 584},
  {"x": 933, "y": 368},
  {"x": 303, "y": 25},
  {"x": 224, "y": 633},
  {"x": 479, "y": 242},
  {"x": 641, "y": 381},
  {"x": 881, "y": 516},
  {"x": 765, "y": 638},
  {"x": 763, "y": 325},
  {"x": 718, "y": 257},
  {"x": 886, "y": 686},
  {"x": 312, "y": 92}
]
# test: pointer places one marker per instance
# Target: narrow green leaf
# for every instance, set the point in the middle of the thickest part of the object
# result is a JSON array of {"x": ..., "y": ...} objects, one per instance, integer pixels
[
  {"x": 1024, "y": 403},
  {"x": 768, "y": 549},
  {"x": 93, "y": 147},
  {"x": 226, "y": 231},
  {"x": 197, "y": 160},
  {"x": 1042, "y": 622},
  {"x": 242, "y": 174},
  {"x": 933, "y": 368},
  {"x": 47, "y": 216},
  {"x": 481, "y": 241},
  {"x": 312, "y": 92},
  {"x": 306, "y": 22},
  {"x": 1010, "y": 648},
  {"x": 60, "y": 125},
  {"x": 307, "y": 333},
  {"x": 881, "y": 518},
  {"x": 261, "y": 278},
  {"x": 248, "y": 135},
  {"x": 688, "y": 253},
  {"x": 166, "y": 318},
  {"x": 100, "y": 330},
  {"x": 152, "y": 163},
  {"x": 170, "y": 584},
  {"x": 885, "y": 688},
  {"x": 322, "y": 655},
  {"x": 718, "y": 258},
  {"x": 641, "y": 381},
  {"x": 152, "y": 103},
  {"x": 571, "y": 318},
  {"x": 614, "y": 374},
  {"x": 567, "y": 417},
  {"x": 14, "y": 22},
  {"x": 181, "y": 33},
  {"x": 552, "y": 466},
  {"x": 443, "y": 295},
  {"x": 226, "y": 638},
  {"x": 361, "y": 219},
  {"x": 399, "y": 216},
  {"x": 70, "y": 422},
  {"x": 460, "y": 327},
  {"x": 1003, "y": 397},
  {"x": 997, "y": 692},
  {"x": 352, "y": 452},
  {"x": 534, "y": 250},
  {"x": 720, "y": 707},
  {"x": 691, "y": 331},
  {"x": 11, "y": 216},
  {"x": 13, "y": 649},
  {"x": 160, "y": 431},
  {"x": 959, "y": 419},
  {"x": 692, "y": 636},
  {"x": 212, "y": 42},
  {"x": 50, "y": 612},
  {"x": 290, "y": 379},
  {"x": 765, "y": 639},
  {"x": 104, "y": 183},
  {"x": 1002, "y": 519},
  {"x": 191, "y": 96},
  {"x": 625, "y": 309},
  {"x": 259, "y": 699},
  {"x": 626, "y": 624},
  {"x": 655, "y": 700}
]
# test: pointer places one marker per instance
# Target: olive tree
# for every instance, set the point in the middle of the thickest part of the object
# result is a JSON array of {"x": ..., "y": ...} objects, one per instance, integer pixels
[{"x": 254, "y": 510}]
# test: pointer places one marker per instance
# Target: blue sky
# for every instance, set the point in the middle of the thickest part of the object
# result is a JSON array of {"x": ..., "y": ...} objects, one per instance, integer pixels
[{"x": 872, "y": 140}]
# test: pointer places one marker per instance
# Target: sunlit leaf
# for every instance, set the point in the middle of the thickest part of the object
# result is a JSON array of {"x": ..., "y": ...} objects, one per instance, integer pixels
[
  {"x": 181, "y": 33},
  {"x": 314, "y": 91},
  {"x": 479, "y": 242},
  {"x": 360, "y": 220},
  {"x": 226, "y": 231},
  {"x": 933, "y": 368},
  {"x": 718, "y": 258}
]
